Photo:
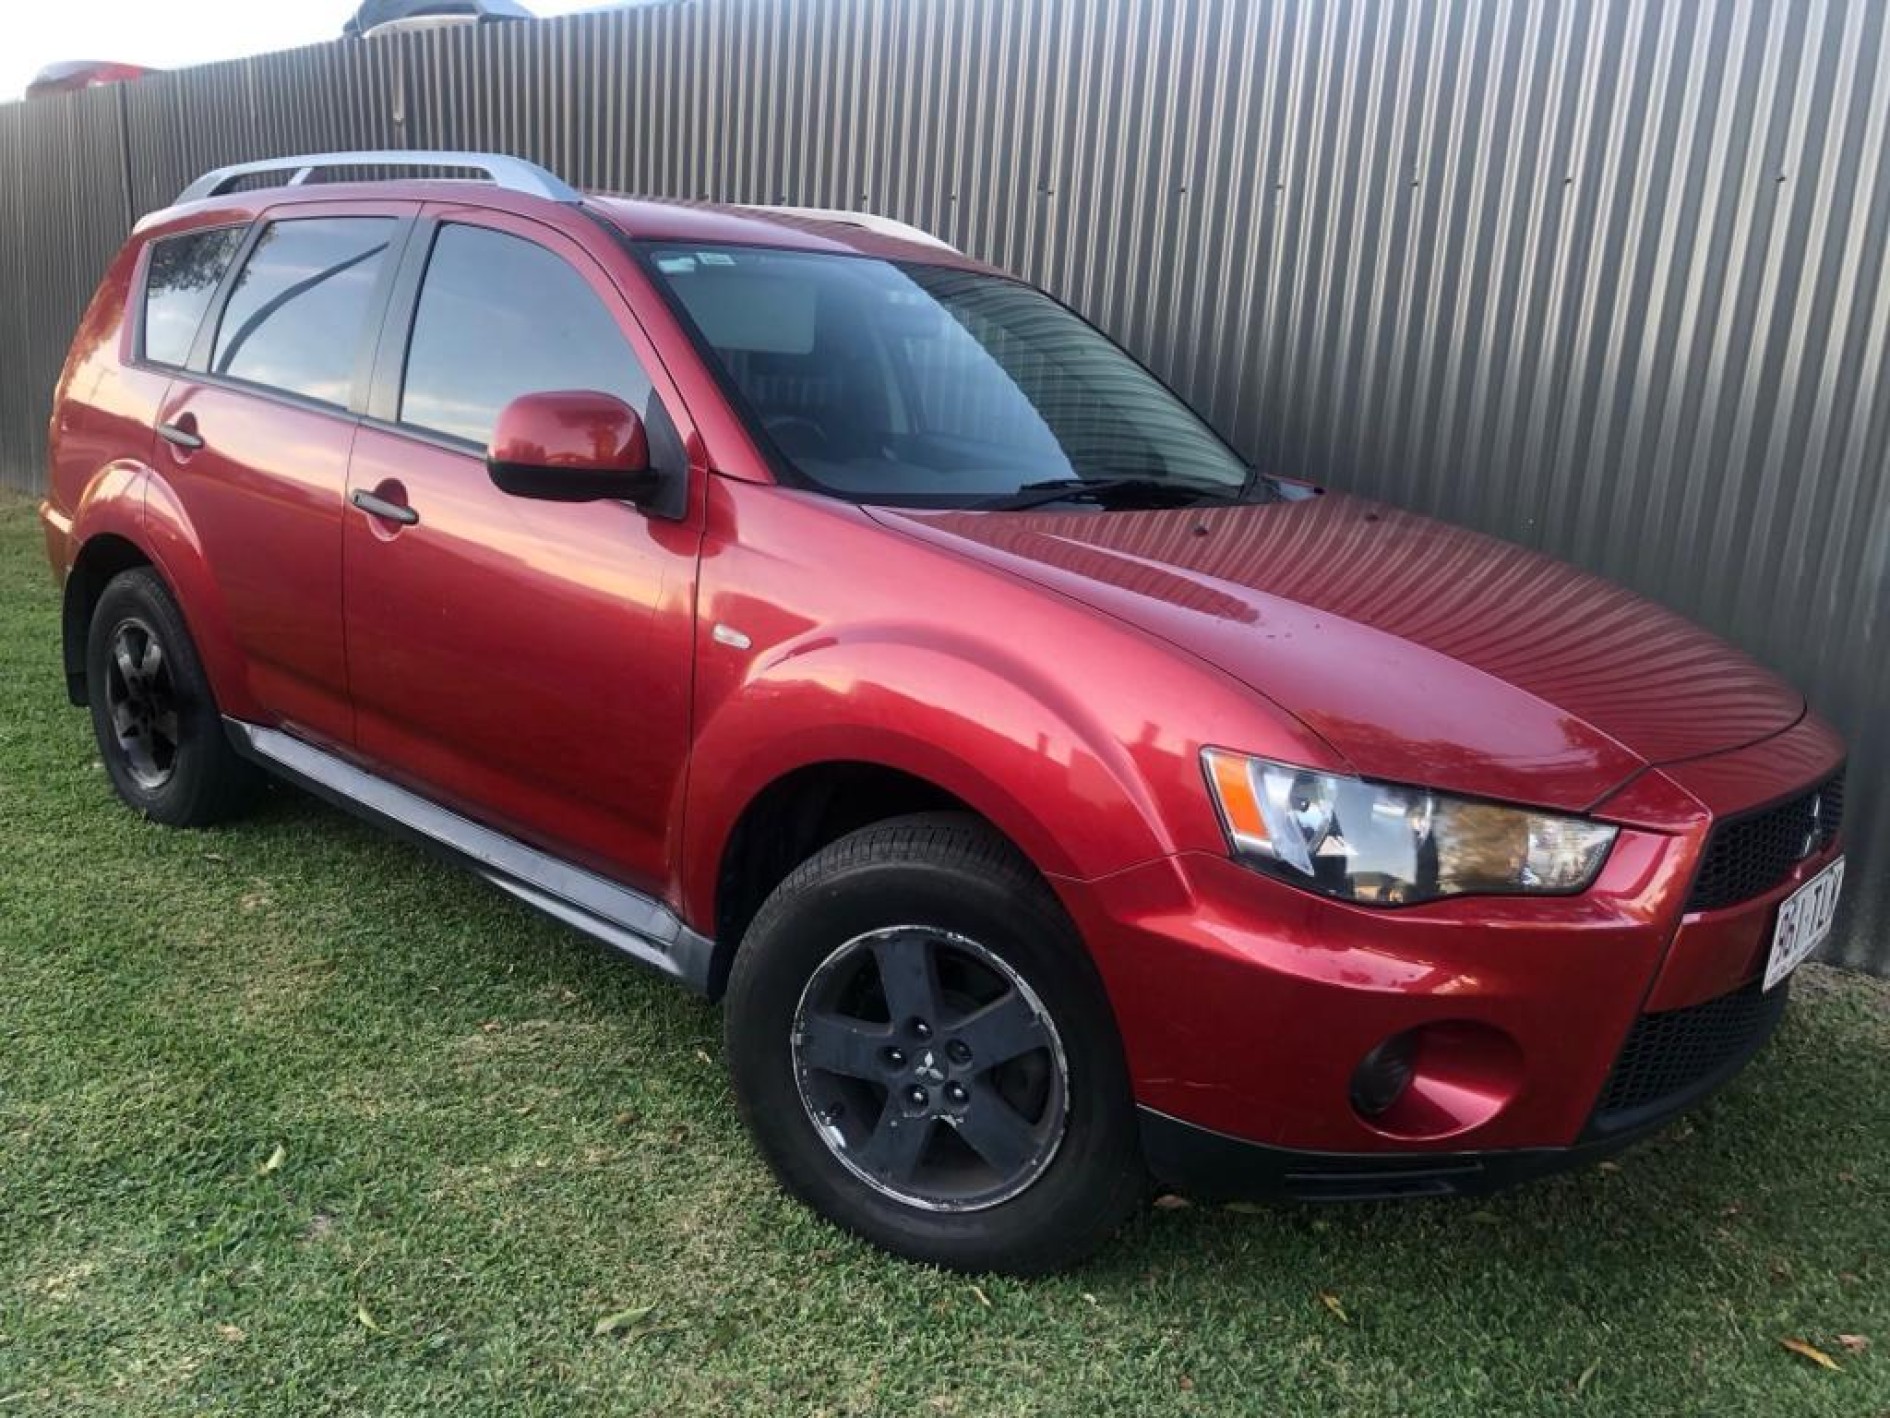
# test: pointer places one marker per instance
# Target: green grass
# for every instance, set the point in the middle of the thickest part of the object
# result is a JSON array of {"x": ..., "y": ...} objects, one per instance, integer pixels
[{"x": 493, "y": 1134}]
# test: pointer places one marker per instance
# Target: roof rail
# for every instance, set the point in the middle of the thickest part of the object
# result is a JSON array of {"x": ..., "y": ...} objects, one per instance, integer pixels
[
  {"x": 510, "y": 173},
  {"x": 866, "y": 221}
]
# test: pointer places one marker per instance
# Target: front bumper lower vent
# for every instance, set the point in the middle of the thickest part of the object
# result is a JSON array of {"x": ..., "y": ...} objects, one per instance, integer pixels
[{"x": 1679, "y": 1055}]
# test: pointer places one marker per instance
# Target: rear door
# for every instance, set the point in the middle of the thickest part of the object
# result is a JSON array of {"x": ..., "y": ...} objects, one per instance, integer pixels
[
  {"x": 528, "y": 663},
  {"x": 255, "y": 433}
]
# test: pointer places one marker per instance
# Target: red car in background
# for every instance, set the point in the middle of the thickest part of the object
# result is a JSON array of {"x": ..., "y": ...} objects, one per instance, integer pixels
[
  {"x": 847, "y": 630},
  {"x": 71, "y": 75}
]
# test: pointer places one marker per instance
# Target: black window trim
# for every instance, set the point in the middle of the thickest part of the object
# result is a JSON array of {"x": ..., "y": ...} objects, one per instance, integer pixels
[
  {"x": 445, "y": 442},
  {"x": 142, "y": 298},
  {"x": 197, "y": 365},
  {"x": 389, "y": 370}
]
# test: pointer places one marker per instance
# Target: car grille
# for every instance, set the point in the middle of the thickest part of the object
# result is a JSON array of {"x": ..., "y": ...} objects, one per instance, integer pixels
[
  {"x": 1675, "y": 1056},
  {"x": 1748, "y": 856}
]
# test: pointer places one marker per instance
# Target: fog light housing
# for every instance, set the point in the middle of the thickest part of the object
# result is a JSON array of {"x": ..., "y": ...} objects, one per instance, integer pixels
[{"x": 1383, "y": 1075}]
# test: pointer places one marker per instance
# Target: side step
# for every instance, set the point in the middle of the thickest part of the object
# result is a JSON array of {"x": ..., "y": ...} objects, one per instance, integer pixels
[{"x": 639, "y": 925}]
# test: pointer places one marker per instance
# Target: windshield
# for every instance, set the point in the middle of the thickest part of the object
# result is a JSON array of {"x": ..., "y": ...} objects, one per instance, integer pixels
[{"x": 923, "y": 385}]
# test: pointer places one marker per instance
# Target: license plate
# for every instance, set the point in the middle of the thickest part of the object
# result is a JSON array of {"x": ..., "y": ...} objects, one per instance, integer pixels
[{"x": 1804, "y": 920}]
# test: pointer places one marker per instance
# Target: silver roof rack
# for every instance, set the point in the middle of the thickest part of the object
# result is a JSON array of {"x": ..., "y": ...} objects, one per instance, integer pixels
[
  {"x": 866, "y": 221},
  {"x": 512, "y": 174}
]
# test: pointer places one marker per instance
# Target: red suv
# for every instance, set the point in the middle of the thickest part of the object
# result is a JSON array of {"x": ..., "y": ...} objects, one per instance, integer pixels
[{"x": 849, "y": 631}]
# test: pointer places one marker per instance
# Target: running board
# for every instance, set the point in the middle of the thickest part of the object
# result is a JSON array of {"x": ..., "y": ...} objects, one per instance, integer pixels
[{"x": 639, "y": 925}]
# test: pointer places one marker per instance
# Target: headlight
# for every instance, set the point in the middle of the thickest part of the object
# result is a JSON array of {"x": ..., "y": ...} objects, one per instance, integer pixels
[{"x": 1385, "y": 845}]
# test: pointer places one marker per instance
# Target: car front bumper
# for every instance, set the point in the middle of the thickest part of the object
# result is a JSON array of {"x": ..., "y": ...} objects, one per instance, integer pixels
[
  {"x": 1216, "y": 1167},
  {"x": 1549, "y": 1030}
]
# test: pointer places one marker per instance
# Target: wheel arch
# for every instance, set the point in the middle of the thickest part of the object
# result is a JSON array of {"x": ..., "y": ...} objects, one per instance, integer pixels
[
  {"x": 918, "y": 720},
  {"x": 100, "y": 558},
  {"x": 176, "y": 551},
  {"x": 793, "y": 816},
  {"x": 129, "y": 517}
]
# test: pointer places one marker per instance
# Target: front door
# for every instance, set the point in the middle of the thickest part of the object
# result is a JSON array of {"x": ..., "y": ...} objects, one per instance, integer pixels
[{"x": 527, "y": 663}]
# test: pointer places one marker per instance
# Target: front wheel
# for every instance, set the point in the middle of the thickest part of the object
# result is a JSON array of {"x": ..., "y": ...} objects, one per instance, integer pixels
[{"x": 925, "y": 1055}]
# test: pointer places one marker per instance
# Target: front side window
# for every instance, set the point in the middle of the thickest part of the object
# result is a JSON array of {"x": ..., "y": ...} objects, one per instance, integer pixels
[
  {"x": 300, "y": 307},
  {"x": 498, "y": 317},
  {"x": 179, "y": 280},
  {"x": 934, "y": 386}
]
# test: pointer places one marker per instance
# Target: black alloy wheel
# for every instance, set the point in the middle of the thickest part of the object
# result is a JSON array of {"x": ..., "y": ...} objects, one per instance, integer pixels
[
  {"x": 930, "y": 1069},
  {"x": 159, "y": 732},
  {"x": 926, "y": 1056},
  {"x": 142, "y": 703}
]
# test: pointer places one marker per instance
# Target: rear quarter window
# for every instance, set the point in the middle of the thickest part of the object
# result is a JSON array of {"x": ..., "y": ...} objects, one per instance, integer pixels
[{"x": 180, "y": 278}]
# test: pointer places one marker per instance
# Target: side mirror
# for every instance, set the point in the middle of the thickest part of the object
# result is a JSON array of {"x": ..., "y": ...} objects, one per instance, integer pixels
[{"x": 572, "y": 446}]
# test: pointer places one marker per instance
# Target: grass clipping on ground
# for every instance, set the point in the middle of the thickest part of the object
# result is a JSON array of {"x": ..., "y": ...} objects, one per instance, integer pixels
[{"x": 294, "y": 1120}]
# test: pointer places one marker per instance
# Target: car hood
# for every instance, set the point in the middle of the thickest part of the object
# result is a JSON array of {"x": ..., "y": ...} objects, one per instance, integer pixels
[{"x": 1420, "y": 651}]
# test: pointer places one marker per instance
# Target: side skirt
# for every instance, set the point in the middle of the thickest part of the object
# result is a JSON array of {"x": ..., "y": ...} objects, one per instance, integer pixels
[{"x": 639, "y": 925}]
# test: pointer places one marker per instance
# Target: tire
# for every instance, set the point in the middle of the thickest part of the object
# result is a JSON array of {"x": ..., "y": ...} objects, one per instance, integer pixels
[
  {"x": 818, "y": 981},
  {"x": 159, "y": 732}
]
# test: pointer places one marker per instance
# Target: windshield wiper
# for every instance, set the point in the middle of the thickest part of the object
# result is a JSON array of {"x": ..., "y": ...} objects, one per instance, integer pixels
[
  {"x": 1260, "y": 487},
  {"x": 1123, "y": 491}
]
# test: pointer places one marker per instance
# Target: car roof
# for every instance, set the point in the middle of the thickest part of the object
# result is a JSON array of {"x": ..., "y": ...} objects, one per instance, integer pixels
[
  {"x": 639, "y": 218},
  {"x": 713, "y": 223}
]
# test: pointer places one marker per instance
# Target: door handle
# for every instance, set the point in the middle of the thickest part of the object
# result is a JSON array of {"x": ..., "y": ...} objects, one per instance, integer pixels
[
  {"x": 178, "y": 436},
  {"x": 381, "y": 507}
]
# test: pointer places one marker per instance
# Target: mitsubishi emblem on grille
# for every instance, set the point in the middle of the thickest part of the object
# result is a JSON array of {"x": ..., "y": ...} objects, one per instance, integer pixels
[{"x": 1815, "y": 829}]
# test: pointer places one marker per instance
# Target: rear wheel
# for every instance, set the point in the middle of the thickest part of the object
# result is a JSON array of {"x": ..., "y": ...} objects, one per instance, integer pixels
[
  {"x": 925, "y": 1054},
  {"x": 159, "y": 733}
]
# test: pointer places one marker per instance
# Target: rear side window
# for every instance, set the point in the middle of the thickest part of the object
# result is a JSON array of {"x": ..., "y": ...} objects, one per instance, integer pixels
[
  {"x": 498, "y": 317},
  {"x": 297, "y": 313},
  {"x": 179, "y": 281}
]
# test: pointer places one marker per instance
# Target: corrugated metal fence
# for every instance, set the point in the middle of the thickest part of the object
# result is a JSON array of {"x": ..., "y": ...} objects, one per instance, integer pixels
[{"x": 1605, "y": 277}]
